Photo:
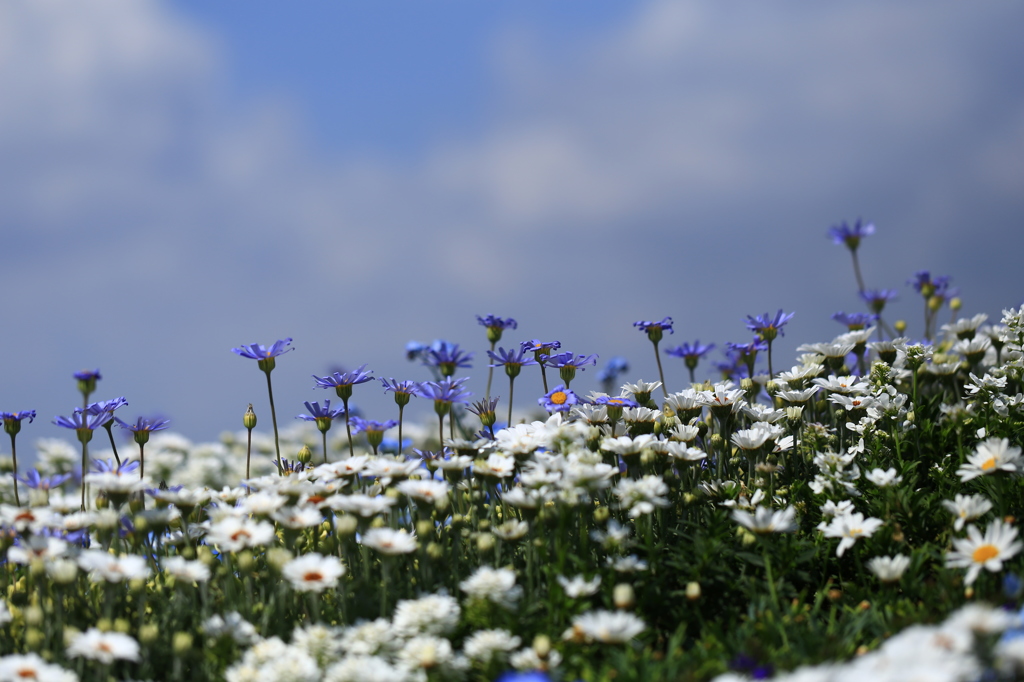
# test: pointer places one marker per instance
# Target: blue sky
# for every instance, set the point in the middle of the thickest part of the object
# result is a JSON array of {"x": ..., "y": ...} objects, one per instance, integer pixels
[{"x": 178, "y": 178}]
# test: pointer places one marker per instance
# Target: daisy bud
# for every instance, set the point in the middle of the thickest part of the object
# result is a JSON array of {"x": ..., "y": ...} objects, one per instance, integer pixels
[
  {"x": 245, "y": 561},
  {"x": 424, "y": 527},
  {"x": 623, "y": 596},
  {"x": 148, "y": 633},
  {"x": 104, "y": 625},
  {"x": 33, "y": 616},
  {"x": 485, "y": 542},
  {"x": 182, "y": 641},
  {"x": 693, "y": 591},
  {"x": 206, "y": 556},
  {"x": 542, "y": 646},
  {"x": 277, "y": 557},
  {"x": 34, "y": 638},
  {"x": 435, "y": 551},
  {"x": 249, "y": 419},
  {"x": 601, "y": 515},
  {"x": 345, "y": 525},
  {"x": 955, "y": 303}
]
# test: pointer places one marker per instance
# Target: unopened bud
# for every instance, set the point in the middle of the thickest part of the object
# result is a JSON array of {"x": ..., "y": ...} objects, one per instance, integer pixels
[
  {"x": 305, "y": 455},
  {"x": 148, "y": 633},
  {"x": 249, "y": 419},
  {"x": 542, "y": 646},
  {"x": 623, "y": 596},
  {"x": 181, "y": 643},
  {"x": 277, "y": 557},
  {"x": 485, "y": 542},
  {"x": 693, "y": 591}
]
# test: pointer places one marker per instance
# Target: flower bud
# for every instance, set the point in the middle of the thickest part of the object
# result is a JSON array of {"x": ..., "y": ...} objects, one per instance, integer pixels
[
  {"x": 601, "y": 515},
  {"x": 484, "y": 542},
  {"x": 345, "y": 524},
  {"x": 245, "y": 561},
  {"x": 34, "y": 638},
  {"x": 249, "y": 419},
  {"x": 693, "y": 591},
  {"x": 148, "y": 633},
  {"x": 542, "y": 646},
  {"x": 181, "y": 643},
  {"x": 623, "y": 596},
  {"x": 277, "y": 557},
  {"x": 33, "y": 616},
  {"x": 305, "y": 455}
]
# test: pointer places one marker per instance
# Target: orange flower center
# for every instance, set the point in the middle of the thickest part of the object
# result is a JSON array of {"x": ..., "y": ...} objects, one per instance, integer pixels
[
  {"x": 989, "y": 464},
  {"x": 559, "y": 398},
  {"x": 984, "y": 553},
  {"x": 313, "y": 576}
]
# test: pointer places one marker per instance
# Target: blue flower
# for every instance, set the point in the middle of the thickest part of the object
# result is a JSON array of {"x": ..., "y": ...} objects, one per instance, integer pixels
[
  {"x": 927, "y": 286},
  {"x": 447, "y": 390},
  {"x": 610, "y": 373},
  {"x": 107, "y": 466},
  {"x": 615, "y": 401},
  {"x": 342, "y": 382},
  {"x": 877, "y": 298},
  {"x": 524, "y": 676},
  {"x": 690, "y": 354},
  {"x": 369, "y": 426},
  {"x": 854, "y": 321},
  {"x": 88, "y": 375},
  {"x": 104, "y": 406},
  {"x": 655, "y": 330},
  {"x": 512, "y": 360},
  {"x": 12, "y": 420},
  {"x": 83, "y": 421},
  {"x": 769, "y": 327},
  {"x": 559, "y": 399},
  {"x": 569, "y": 360},
  {"x": 33, "y": 480},
  {"x": 540, "y": 348},
  {"x": 317, "y": 413},
  {"x": 496, "y": 325},
  {"x": 144, "y": 424},
  {"x": 851, "y": 236},
  {"x": 256, "y": 351},
  {"x": 447, "y": 357}
]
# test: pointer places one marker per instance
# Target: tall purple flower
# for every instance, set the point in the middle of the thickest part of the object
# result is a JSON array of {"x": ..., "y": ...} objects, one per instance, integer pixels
[
  {"x": 266, "y": 361},
  {"x": 495, "y": 326},
  {"x": 403, "y": 391},
  {"x": 444, "y": 393},
  {"x": 87, "y": 382},
  {"x": 84, "y": 424},
  {"x": 567, "y": 364},
  {"x": 854, "y": 321},
  {"x": 12, "y": 425},
  {"x": 559, "y": 399},
  {"x": 877, "y": 298},
  {"x": 374, "y": 430},
  {"x": 691, "y": 354},
  {"x": 342, "y": 383},
  {"x": 850, "y": 235},
  {"x": 655, "y": 331},
  {"x": 141, "y": 429},
  {"x": 447, "y": 357}
]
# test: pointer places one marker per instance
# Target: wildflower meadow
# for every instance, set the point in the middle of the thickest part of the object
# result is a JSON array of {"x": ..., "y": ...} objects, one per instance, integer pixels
[{"x": 848, "y": 514}]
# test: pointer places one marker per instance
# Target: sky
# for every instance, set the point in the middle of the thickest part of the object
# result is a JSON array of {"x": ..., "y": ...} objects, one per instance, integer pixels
[{"x": 178, "y": 178}]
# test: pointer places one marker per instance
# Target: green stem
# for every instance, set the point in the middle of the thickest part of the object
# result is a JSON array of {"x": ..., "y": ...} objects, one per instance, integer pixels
[
  {"x": 14, "y": 458},
  {"x": 273, "y": 418},
  {"x": 661, "y": 373}
]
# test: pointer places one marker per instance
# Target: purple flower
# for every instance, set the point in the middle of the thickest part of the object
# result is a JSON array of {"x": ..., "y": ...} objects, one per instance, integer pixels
[
  {"x": 610, "y": 373},
  {"x": 559, "y": 399},
  {"x": 370, "y": 426},
  {"x": 107, "y": 466},
  {"x": 403, "y": 390},
  {"x": 615, "y": 401},
  {"x": 690, "y": 353},
  {"x": 12, "y": 420},
  {"x": 447, "y": 390},
  {"x": 256, "y": 351},
  {"x": 851, "y": 236},
  {"x": 854, "y": 321},
  {"x": 927, "y": 286},
  {"x": 877, "y": 298},
  {"x": 88, "y": 375},
  {"x": 342, "y": 382},
  {"x": 512, "y": 360},
  {"x": 104, "y": 406},
  {"x": 655, "y": 330},
  {"x": 33, "y": 480},
  {"x": 569, "y": 360},
  {"x": 447, "y": 357},
  {"x": 83, "y": 421},
  {"x": 317, "y": 413},
  {"x": 540, "y": 348},
  {"x": 496, "y": 325},
  {"x": 144, "y": 424},
  {"x": 769, "y": 327}
]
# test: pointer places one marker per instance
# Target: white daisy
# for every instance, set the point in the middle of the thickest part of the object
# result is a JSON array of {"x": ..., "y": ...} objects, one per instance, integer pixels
[
  {"x": 390, "y": 541},
  {"x": 765, "y": 520},
  {"x": 989, "y": 551},
  {"x": 313, "y": 572},
  {"x": 607, "y": 627},
  {"x": 967, "y": 508},
  {"x": 849, "y": 527},
  {"x": 889, "y": 569},
  {"x": 105, "y": 647},
  {"x": 990, "y": 456}
]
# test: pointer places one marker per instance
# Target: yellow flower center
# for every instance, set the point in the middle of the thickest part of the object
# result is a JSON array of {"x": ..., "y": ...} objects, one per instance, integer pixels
[
  {"x": 313, "y": 576},
  {"x": 984, "y": 553},
  {"x": 559, "y": 398},
  {"x": 989, "y": 463}
]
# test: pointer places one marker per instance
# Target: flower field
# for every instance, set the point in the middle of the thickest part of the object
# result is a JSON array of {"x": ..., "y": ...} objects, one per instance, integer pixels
[{"x": 850, "y": 514}]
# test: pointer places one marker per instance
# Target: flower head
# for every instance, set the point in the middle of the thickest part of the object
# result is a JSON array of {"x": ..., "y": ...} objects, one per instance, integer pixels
[
  {"x": 265, "y": 356},
  {"x": 403, "y": 390},
  {"x": 496, "y": 325},
  {"x": 83, "y": 421},
  {"x": 105, "y": 647},
  {"x": 446, "y": 357},
  {"x": 342, "y": 382},
  {"x": 690, "y": 354},
  {"x": 447, "y": 390},
  {"x": 851, "y": 235},
  {"x": 989, "y": 551},
  {"x": 609, "y": 374},
  {"x": 559, "y": 399},
  {"x": 655, "y": 330},
  {"x": 323, "y": 416},
  {"x": 12, "y": 420},
  {"x": 313, "y": 572},
  {"x": 767, "y": 326},
  {"x": 513, "y": 360},
  {"x": 877, "y": 298},
  {"x": 854, "y": 321}
]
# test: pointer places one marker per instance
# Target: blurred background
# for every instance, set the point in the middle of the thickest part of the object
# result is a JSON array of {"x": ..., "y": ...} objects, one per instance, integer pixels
[{"x": 180, "y": 177}]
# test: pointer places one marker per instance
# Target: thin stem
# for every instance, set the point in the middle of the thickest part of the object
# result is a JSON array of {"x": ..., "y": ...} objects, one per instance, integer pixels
[
  {"x": 771, "y": 375},
  {"x": 273, "y": 418},
  {"x": 14, "y": 457},
  {"x": 856, "y": 271},
  {"x": 142, "y": 460},
  {"x": 248, "y": 454},
  {"x": 348, "y": 429},
  {"x": 110, "y": 434},
  {"x": 490, "y": 375},
  {"x": 85, "y": 457},
  {"x": 440, "y": 432},
  {"x": 324, "y": 435},
  {"x": 661, "y": 374},
  {"x": 511, "y": 383},
  {"x": 543, "y": 375},
  {"x": 401, "y": 410}
]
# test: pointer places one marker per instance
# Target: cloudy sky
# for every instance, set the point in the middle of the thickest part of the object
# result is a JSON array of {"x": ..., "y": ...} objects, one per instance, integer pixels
[{"x": 181, "y": 177}]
